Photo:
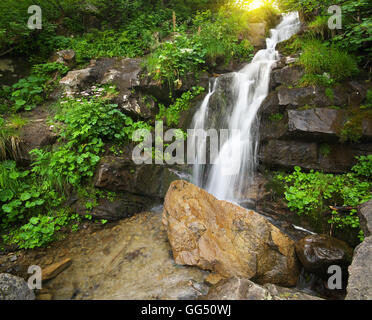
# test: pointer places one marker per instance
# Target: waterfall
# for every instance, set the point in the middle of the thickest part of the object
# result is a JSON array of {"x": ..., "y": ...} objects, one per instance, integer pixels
[{"x": 249, "y": 88}]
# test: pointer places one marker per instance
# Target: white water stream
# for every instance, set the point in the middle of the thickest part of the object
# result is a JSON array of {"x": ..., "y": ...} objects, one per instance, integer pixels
[{"x": 249, "y": 88}]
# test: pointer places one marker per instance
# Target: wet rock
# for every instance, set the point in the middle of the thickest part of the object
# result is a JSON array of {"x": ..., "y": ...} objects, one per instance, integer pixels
[
  {"x": 244, "y": 289},
  {"x": 225, "y": 238},
  {"x": 66, "y": 57},
  {"x": 14, "y": 288},
  {"x": 286, "y": 154},
  {"x": 318, "y": 252},
  {"x": 55, "y": 269},
  {"x": 302, "y": 96},
  {"x": 113, "y": 210},
  {"x": 287, "y": 76},
  {"x": 282, "y": 153},
  {"x": 270, "y": 105},
  {"x": 123, "y": 175},
  {"x": 221, "y": 102},
  {"x": 360, "y": 273},
  {"x": 345, "y": 94},
  {"x": 314, "y": 123},
  {"x": 126, "y": 260}
]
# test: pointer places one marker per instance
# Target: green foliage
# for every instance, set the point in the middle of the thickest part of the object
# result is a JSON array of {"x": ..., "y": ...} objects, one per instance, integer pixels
[
  {"x": 352, "y": 130},
  {"x": 276, "y": 117},
  {"x": 312, "y": 193},
  {"x": 173, "y": 112},
  {"x": 218, "y": 35},
  {"x": 27, "y": 93},
  {"x": 174, "y": 59},
  {"x": 18, "y": 196},
  {"x": 40, "y": 230},
  {"x": 35, "y": 89},
  {"x": 368, "y": 102},
  {"x": 356, "y": 33},
  {"x": 325, "y": 65}
]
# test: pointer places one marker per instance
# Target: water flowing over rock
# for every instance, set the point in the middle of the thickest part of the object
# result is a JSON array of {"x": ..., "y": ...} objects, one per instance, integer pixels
[
  {"x": 244, "y": 289},
  {"x": 14, "y": 288},
  {"x": 318, "y": 252},
  {"x": 226, "y": 238},
  {"x": 248, "y": 89},
  {"x": 360, "y": 272}
]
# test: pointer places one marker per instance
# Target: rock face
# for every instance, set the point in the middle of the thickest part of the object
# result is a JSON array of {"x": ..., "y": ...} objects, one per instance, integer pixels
[
  {"x": 360, "y": 272},
  {"x": 313, "y": 122},
  {"x": 225, "y": 238},
  {"x": 318, "y": 252},
  {"x": 288, "y": 76},
  {"x": 124, "y": 73},
  {"x": 244, "y": 289},
  {"x": 365, "y": 217},
  {"x": 121, "y": 174},
  {"x": 14, "y": 288},
  {"x": 115, "y": 210},
  {"x": 66, "y": 57}
]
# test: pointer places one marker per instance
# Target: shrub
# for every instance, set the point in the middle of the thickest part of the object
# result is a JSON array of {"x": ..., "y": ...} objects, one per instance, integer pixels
[
  {"x": 322, "y": 62},
  {"x": 174, "y": 59},
  {"x": 312, "y": 193},
  {"x": 173, "y": 112}
]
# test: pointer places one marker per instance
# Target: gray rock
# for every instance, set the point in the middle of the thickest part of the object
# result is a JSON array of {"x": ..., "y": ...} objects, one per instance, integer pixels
[
  {"x": 287, "y": 76},
  {"x": 317, "y": 122},
  {"x": 124, "y": 73},
  {"x": 66, "y": 57},
  {"x": 122, "y": 175},
  {"x": 365, "y": 217},
  {"x": 244, "y": 289},
  {"x": 14, "y": 288},
  {"x": 307, "y": 154},
  {"x": 113, "y": 210},
  {"x": 360, "y": 273}
]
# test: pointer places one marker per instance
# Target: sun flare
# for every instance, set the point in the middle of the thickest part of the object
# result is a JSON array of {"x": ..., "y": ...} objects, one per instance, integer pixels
[{"x": 252, "y": 4}]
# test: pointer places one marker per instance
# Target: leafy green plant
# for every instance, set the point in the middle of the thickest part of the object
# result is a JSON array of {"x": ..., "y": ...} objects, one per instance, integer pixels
[
  {"x": 173, "y": 112},
  {"x": 325, "y": 65},
  {"x": 312, "y": 193},
  {"x": 174, "y": 59},
  {"x": 276, "y": 117}
]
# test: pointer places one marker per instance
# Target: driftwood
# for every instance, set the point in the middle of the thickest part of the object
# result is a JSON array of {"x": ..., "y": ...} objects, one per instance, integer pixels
[{"x": 341, "y": 209}]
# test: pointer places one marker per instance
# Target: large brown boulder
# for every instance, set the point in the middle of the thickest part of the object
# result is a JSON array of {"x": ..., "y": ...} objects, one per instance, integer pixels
[{"x": 226, "y": 238}]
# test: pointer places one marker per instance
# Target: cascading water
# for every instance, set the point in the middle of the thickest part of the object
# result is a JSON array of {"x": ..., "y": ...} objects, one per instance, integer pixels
[{"x": 249, "y": 88}]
